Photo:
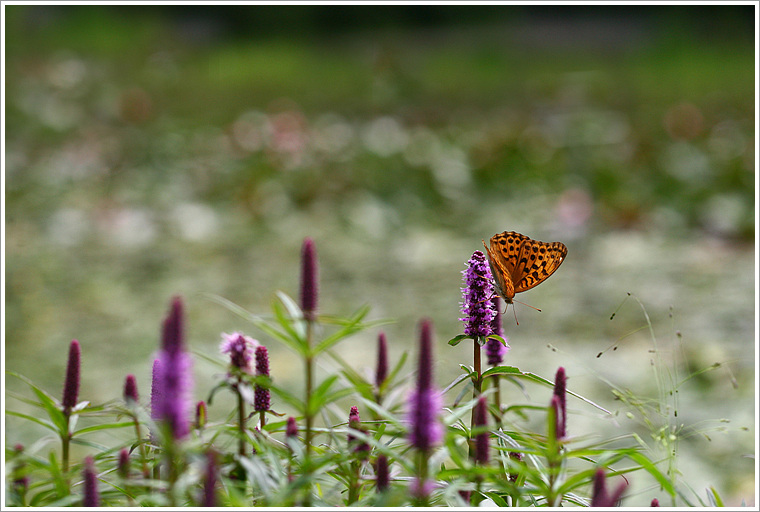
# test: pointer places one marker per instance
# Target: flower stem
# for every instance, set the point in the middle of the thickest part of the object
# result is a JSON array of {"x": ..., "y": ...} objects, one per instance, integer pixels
[
  {"x": 477, "y": 388},
  {"x": 65, "y": 445},
  {"x": 308, "y": 413},
  {"x": 496, "y": 399},
  {"x": 241, "y": 419}
]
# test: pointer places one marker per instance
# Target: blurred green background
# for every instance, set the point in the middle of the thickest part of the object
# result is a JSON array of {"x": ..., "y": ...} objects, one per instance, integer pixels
[{"x": 161, "y": 150}]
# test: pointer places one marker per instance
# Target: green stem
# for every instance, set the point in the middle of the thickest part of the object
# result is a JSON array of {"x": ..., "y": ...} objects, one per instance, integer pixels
[
  {"x": 65, "y": 445},
  {"x": 496, "y": 399},
  {"x": 241, "y": 420},
  {"x": 422, "y": 466},
  {"x": 173, "y": 470},
  {"x": 143, "y": 453},
  {"x": 308, "y": 413},
  {"x": 477, "y": 389},
  {"x": 353, "y": 486}
]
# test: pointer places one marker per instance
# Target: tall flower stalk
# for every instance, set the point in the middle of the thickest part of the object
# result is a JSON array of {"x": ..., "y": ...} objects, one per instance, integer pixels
[
  {"x": 495, "y": 352},
  {"x": 557, "y": 418},
  {"x": 481, "y": 440},
  {"x": 359, "y": 450},
  {"x": 91, "y": 496},
  {"x": 308, "y": 294},
  {"x": 261, "y": 395},
  {"x": 240, "y": 349},
  {"x": 424, "y": 405},
  {"x": 173, "y": 387},
  {"x": 131, "y": 398},
  {"x": 478, "y": 313},
  {"x": 70, "y": 396}
]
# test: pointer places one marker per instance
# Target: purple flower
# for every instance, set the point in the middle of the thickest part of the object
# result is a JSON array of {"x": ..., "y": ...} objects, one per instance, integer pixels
[
  {"x": 655, "y": 503},
  {"x": 599, "y": 496},
  {"x": 155, "y": 389},
  {"x": 420, "y": 490},
  {"x": 424, "y": 402},
  {"x": 209, "y": 481},
  {"x": 173, "y": 379},
  {"x": 560, "y": 385},
  {"x": 91, "y": 495},
  {"x": 261, "y": 399},
  {"x": 382, "y": 361},
  {"x": 476, "y": 306},
  {"x": 381, "y": 471},
  {"x": 309, "y": 276},
  {"x": 71, "y": 385},
  {"x": 123, "y": 466},
  {"x": 494, "y": 349},
  {"x": 240, "y": 348},
  {"x": 482, "y": 438},
  {"x": 291, "y": 430},
  {"x": 354, "y": 423},
  {"x": 130, "y": 390},
  {"x": 201, "y": 414}
]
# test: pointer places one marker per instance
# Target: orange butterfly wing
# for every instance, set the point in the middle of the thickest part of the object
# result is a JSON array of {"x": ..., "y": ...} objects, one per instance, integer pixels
[{"x": 519, "y": 263}]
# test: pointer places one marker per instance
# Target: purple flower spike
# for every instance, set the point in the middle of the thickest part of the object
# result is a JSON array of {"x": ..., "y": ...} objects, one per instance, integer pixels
[
  {"x": 382, "y": 360},
  {"x": 494, "y": 349},
  {"x": 381, "y": 471},
  {"x": 155, "y": 389},
  {"x": 71, "y": 385},
  {"x": 240, "y": 348},
  {"x": 309, "y": 277},
  {"x": 91, "y": 494},
  {"x": 600, "y": 497},
  {"x": 291, "y": 430},
  {"x": 173, "y": 338},
  {"x": 477, "y": 308},
  {"x": 560, "y": 385},
  {"x": 201, "y": 414},
  {"x": 174, "y": 379},
  {"x": 123, "y": 467},
  {"x": 261, "y": 398},
  {"x": 420, "y": 490},
  {"x": 209, "y": 481},
  {"x": 130, "y": 390},
  {"x": 425, "y": 402},
  {"x": 481, "y": 439},
  {"x": 355, "y": 423}
]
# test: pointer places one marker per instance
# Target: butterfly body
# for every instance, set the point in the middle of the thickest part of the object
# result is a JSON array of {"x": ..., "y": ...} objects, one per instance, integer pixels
[{"x": 519, "y": 263}]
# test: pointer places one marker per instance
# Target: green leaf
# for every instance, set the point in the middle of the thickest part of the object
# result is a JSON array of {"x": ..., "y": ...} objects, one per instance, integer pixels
[
  {"x": 320, "y": 394},
  {"x": 457, "y": 339},
  {"x": 502, "y": 370},
  {"x": 394, "y": 372},
  {"x": 650, "y": 468},
  {"x": 105, "y": 426},
  {"x": 351, "y": 326},
  {"x": 497, "y": 338},
  {"x": 463, "y": 377},
  {"x": 496, "y": 498},
  {"x": 288, "y": 397},
  {"x": 48, "y": 403},
  {"x": 47, "y": 424},
  {"x": 295, "y": 332},
  {"x": 365, "y": 388}
]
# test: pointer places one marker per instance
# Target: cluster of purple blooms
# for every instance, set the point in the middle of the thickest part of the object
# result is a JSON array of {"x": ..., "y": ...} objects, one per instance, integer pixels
[{"x": 481, "y": 307}]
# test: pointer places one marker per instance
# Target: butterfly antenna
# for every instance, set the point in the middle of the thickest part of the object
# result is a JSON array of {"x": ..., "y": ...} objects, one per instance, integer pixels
[{"x": 524, "y": 304}]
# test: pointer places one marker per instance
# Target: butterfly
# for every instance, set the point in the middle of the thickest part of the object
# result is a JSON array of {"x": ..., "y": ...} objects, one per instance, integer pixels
[{"x": 519, "y": 263}]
